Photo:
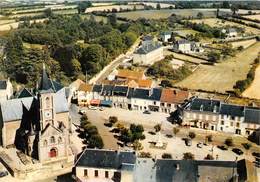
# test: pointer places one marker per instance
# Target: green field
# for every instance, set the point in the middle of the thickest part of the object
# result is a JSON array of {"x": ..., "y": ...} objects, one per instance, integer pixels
[{"x": 157, "y": 14}]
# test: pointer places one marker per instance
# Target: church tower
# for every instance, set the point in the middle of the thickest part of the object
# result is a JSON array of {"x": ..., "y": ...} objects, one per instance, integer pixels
[{"x": 46, "y": 98}]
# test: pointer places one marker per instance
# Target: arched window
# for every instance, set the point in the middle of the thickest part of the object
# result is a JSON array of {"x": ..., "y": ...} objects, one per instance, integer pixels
[
  {"x": 47, "y": 102},
  {"x": 59, "y": 140},
  {"x": 45, "y": 143},
  {"x": 52, "y": 139}
]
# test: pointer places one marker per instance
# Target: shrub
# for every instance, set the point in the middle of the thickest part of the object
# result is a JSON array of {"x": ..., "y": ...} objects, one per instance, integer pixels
[
  {"x": 137, "y": 145},
  {"x": 192, "y": 135},
  {"x": 108, "y": 125},
  {"x": 95, "y": 141},
  {"x": 167, "y": 156},
  {"x": 145, "y": 155},
  {"x": 175, "y": 130},
  {"x": 188, "y": 156},
  {"x": 209, "y": 138},
  {"x": 229, "y": 142}
]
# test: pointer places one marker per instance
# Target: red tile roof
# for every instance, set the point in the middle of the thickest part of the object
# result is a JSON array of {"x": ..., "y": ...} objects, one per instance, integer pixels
[{"x": 174, "y": 96}]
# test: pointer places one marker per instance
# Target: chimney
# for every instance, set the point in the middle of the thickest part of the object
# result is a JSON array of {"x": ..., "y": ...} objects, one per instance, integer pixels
[
  {"x": 150, "y": 92},
  {"x": 177, "y": 166},
  {"x": 175, "y": 92}
]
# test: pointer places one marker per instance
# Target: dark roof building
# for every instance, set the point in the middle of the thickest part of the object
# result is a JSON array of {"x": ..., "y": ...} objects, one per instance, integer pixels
[
  {"x": 24, "y": 93},
  {"x": 107, "y": 90},
  {"x": 120, "y": 91},
  {"x": 252, "y": 115},
  {"x": 3, "y": 84},
  {"x": 147, "y": 94},
  {"x": 232, "y": 110},
  {"x": 109, "y": 159},
  {"x": 97, "y": 88},
  {"x": 203, "y": 105},
  {"x": 147, "y": 47}
]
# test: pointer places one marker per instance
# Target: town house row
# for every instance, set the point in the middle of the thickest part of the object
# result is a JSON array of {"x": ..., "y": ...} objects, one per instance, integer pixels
[
  {"x": 153, "y": 99},
  {"x": 218, "y": 116}
]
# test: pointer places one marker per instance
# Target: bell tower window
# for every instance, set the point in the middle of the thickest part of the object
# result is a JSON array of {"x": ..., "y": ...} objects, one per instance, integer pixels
[{"x": 47, "y": 102}]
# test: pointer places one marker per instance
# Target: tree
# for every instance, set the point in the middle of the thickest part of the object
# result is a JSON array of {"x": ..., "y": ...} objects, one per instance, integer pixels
[
  {"x": 48, "y": 12},
  {"x": 209, "y": 138},
  {"x": 167, "y": 156},
  {"x": 112, "y": 19},
  {"x": 229, "y": 141},
  {"x": 157, "y": 128},
  {"x": 112, "y": 119},
  {"x": 166, "y": 83},
  {"x": 137, "y": 145},
  {"x": 76, "y": 66},
  {"x": 209, "y": 157},
  {"x": 234, "y": 8},
  {"x": 95, "y": 141},
  {"x": 175, "y": 130},
  {"x": 200, "y": 15},
  {"x": 188, "y": 156},
  {"x": 129, "y": 38},
  {"x": 84, "y": 120},
  {"x": 247, "y": 146},
  {"x": 83, "y": 5},
  {"x": 192, "y": 135},
  {"x": 90, "y": 130},
  {"x": 213, "y": 56},
  {"x": 158, "y": 6}
]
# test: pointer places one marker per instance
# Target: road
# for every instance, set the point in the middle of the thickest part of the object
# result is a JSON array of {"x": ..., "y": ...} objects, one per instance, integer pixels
[{"x": 114, "y": 64}]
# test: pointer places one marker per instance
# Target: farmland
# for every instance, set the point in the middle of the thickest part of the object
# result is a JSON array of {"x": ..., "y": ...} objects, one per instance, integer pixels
[
  {"x": 254, "y": 90},
  {"x": 253, "y": 17},
  {"x": 157, "y": 14},
  {"x": 215, "y": 22},
  {"x": 244, "y": 43},
  {"x": 222, "y": 77}
]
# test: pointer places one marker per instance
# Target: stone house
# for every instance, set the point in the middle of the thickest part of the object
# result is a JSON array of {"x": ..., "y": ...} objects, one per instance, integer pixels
[
  {"x": 6, "y": 90},
  {"x": 105, "y": 165},
  {"x": 84, "y": 94},
  {"x": 185, "y": 46},
  {"x": 165, "y": 36},
  {"x": 148, "y": 53}
]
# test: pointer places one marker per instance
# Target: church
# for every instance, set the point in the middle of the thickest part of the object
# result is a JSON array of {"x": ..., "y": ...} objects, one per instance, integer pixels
[{"x": 38, "y": 123}]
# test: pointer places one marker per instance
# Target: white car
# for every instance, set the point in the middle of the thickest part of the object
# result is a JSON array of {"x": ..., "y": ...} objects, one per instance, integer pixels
[
  {"x": 82, "y": 111},
  {"x": 92, "y": 108}
]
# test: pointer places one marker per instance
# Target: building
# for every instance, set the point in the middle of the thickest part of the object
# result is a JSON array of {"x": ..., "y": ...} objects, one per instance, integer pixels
[
  {"x": 218, "y": 116},
  {"x": 185, "y": 46},
  {"x": 230, "y": 32},
  {"x": 124, "y": 166},
  {"x": 105, "y": 165},
  {"x": 6, "y": 90},
  {"x": 171, "y": 98},
  {"x": 148, "y": 53},
  {"x": 165, "y": 36},
  {"x": 125, "y": 74},
  {"x": 39, "y": 126},
  {"x": 84, "y": 94}
]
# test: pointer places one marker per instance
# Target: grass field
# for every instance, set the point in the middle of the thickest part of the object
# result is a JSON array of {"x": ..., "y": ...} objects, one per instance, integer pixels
[
  {"x": 222, "y": 76},
  {"x": 215, "y": 22},
  {"x": 14, "y": 25},
  {"x": 244, "y": 43},
  {"x": 157, "y": 14},
  {"x": 253, "y": 17},
  {"x": 254, "y": 90}
]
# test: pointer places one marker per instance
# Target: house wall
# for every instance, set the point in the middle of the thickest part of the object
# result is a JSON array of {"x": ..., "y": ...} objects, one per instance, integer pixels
[
  {"x": 167, "y": 107},
  {"x": 120, "y": 101},
  {"x": 84, "y": 98},
  {"x": 143, "y": 104},
  {"x": 165, "y": 38},
  {"x": 9, "y": 131},
  {"x": 230, "y": 125},
  {"x": 150, "y": 58},
  {"x": 91, "y": 173}
]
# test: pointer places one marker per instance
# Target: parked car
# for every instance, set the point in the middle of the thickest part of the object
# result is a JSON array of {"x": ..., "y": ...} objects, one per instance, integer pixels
[
  {"x": 237, "y": 151},
  {"x": 82, "y": 111},
  {"x": 188, "y": 142},
  {"x": 146, "y": 112},
  {"x": 101, "y": 109},
  {"x": 3, "y": 174},
  {"x": 92, "y": 108},
  {"x": 222, "y": 147},
  {"x": 199, "y": 145}
]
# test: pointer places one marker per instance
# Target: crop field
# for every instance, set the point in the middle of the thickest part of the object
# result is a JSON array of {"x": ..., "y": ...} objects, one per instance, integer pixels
[
  {"x": 14, "y": 25},
  {"x": 244, "y": 43},
  {"x": 215, "y": 22},
  {"x": 222, "y": 76},
  {"x": 254, "y": 90},
  {"x": 165, "y": 13},
  {"x": 253, "y": 17},
  {"x": 240, "y": 11}
]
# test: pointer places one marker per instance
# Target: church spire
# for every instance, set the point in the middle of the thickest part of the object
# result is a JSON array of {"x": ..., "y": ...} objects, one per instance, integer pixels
[{"x": 45, "y": 82}]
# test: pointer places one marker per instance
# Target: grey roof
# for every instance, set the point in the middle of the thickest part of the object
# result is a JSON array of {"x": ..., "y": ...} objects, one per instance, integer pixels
[
  {"x": 98, "y": 158},
  {"x": 232, "y": 110},
  {"x": 120, "y": 90},
  {"x": 147, "y": 38},
  {"x": 97, "y": 88},
  {"x": 252, "y": 115},
  {"x": 205, "y": 105},
  {"x": 148, "y": 94},
  {"x": 183, "y": 41},
  {"x": 45, "y": 83},
  {"x": 24, "y": 93},
  {"x": 230, "y": 30},
  {"x": 12, "y": 110},
  {"x": 3, "y": 84},
  {"x": 107, "y": 90},
  {"x": 165, "y": 33},
  {"x": 168, "y": 170},
  {"x": 147, "y": 47}
]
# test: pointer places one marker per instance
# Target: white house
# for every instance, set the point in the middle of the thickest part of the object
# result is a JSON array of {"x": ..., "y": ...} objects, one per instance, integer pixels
[
  {"x": 230, "y": 32},
  {"x": 148, "y": 53},
  {"x": 6, "y": 90},
  {"x": 186, "y": 46},
  {"x": 165, "y": 36}
]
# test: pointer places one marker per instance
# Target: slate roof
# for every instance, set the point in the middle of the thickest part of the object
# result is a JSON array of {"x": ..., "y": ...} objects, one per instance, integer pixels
[
  {"x": 45, "y": 84},
  {"x": 147, "y": 38},
  {"x": 165, "y": 33},
  {"x": 252, "y": 115},
  {"x": 3, "y": 84},
  {"x": 174, "y": 96},
  {"x": 24, "y": 93},
  {"x": 204, "y": 105},
  {"x": 183, "y": 41},
  {"x": 147, "y": 47},
  {"x": 107, "y": 90},
  {"x": 232, "y": 110},
  {"x": 97, "y": 88},
  {"x": 120, "y": 90},
  {"x": 96, "y": 158},
  {"x": 148, "y": 94},
  {"x": 13, "y": 109}
]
